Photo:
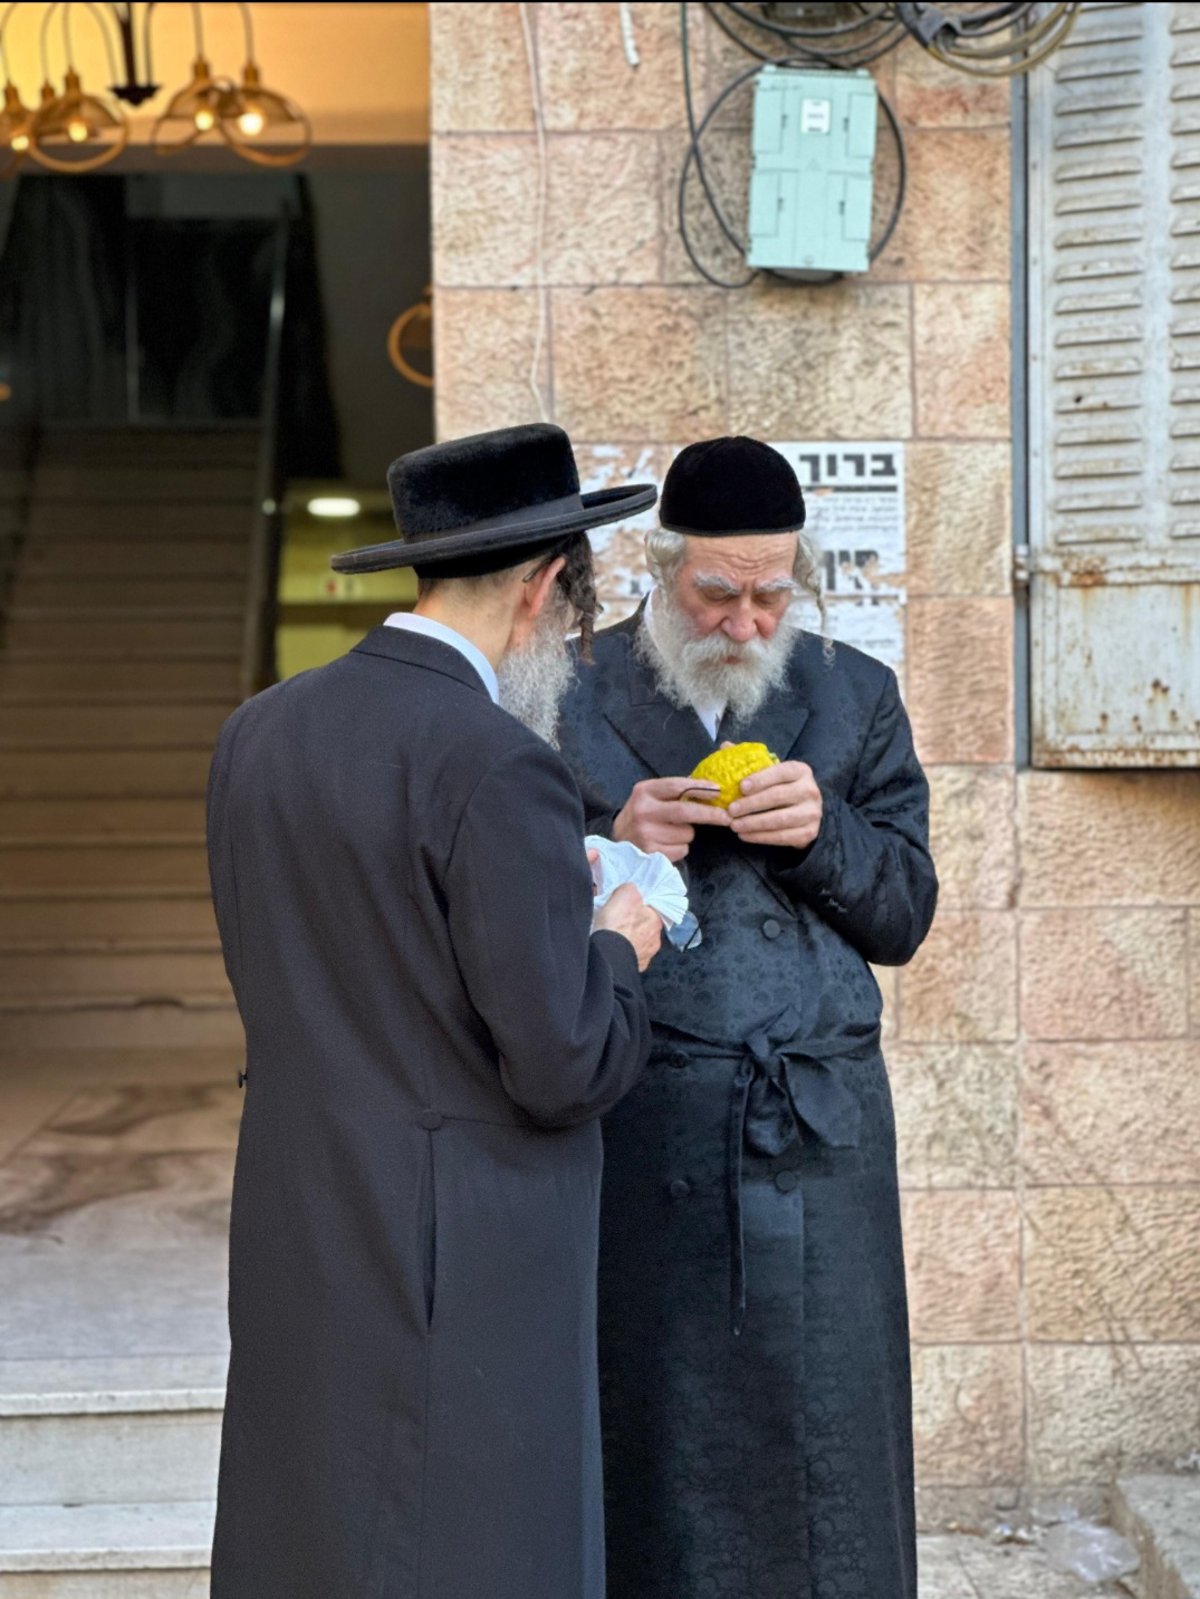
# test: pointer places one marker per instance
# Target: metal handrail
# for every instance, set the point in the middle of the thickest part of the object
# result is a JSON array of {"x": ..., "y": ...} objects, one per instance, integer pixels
[{"x": 257, "y": 660}]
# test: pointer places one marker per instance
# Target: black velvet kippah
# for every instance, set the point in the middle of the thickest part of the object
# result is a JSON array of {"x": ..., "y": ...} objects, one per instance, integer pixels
[{"x": 722, "y": 487}]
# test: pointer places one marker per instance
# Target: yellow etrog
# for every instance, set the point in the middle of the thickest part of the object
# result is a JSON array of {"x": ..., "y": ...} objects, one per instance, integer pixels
[{"x": 729, "y": 767}]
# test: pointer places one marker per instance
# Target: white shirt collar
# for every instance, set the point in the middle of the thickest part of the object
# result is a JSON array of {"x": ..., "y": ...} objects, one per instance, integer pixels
[
  {"x": 410, "y": 622},
  {"x": 710, "y": 714}
]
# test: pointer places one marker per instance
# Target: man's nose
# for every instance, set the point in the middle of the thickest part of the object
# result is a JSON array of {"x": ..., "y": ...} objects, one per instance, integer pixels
[{"x": 740, "y": 626}]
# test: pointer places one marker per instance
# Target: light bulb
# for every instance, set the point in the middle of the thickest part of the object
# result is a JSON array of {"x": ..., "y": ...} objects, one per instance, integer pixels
[
  {"x": 336, "y": 505},
  {"x": 20, "y": 142},
  {"x": 251, "y": 123},
  {"x": 205, "y": 119},
  {"x": 77, "y": 130}
]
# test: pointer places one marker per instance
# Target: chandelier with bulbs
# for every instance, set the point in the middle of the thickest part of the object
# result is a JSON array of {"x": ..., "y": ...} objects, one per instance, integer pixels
[{"x": 71, "y": 130}]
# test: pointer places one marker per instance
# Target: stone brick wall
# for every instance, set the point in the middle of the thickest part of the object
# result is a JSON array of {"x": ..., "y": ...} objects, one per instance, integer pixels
[{"x": 1044, "y": 1044}]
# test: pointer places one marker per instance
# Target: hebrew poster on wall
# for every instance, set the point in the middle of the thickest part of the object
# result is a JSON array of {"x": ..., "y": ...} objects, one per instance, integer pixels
[{"x": 855, "y": 498}]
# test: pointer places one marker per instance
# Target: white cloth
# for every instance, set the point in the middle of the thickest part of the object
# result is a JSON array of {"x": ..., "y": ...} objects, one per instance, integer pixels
[
  {"x": 658, "y": 882},
  {"x": 410, "y": 622},
  {"x": 711, "y": 713}
]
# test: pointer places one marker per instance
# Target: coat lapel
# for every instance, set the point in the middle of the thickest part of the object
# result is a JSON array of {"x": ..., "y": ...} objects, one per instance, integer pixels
[{"x": 777, "y": 723}]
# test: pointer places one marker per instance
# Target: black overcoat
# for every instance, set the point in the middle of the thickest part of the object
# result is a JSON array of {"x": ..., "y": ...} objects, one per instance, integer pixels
[
  {"x": 404, "y": 905},
  {"x": 754, "y": 1361}
]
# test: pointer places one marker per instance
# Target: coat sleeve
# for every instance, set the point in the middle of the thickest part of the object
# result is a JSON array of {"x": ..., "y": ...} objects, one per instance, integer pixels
[
  {"x": 869, "y": 873},
  {"x": 565, "y": 1008}
]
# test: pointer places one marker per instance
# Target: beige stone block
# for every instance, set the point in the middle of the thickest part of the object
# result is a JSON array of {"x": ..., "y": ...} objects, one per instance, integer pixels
[
  {"x": 1076, "y": 1123},
  {"x": 1109, "y": 838},
  {"x": 930, "y": 95},
  {"x": 1104, "y": 974},
  {"x": 483, "y": 189},
  {"x": 955, "y": 221},
  {"x": 1098, "y": 1410},
  {"x": 484, "y": 352},
  {"x": 961, "y": 340},
  {"x": 1194, "y": 968},
  {"x": 587, "y": 81},
  {"x": 962, "y": 984},
  {"x": 727, "y": 161},
  {"x": 821, "y": 363},
  {"x": 959, "y": 514},
  {"x": 956, "y": 1114},
  {"x": 962, "y": 1250},
  {"x": 972, "y": 836},
  {"x": 1112, "y": 1264},
  {"x": 888, "y": 979},
  {"x": 479, "y": 76},
  {"x": 602, "y": 212},
  {"x": 485, "y": 207},
  {"x": 640, "y": 363},
  {"x": 960, "y": 677},
  {"x": 967, "y": 1413}
]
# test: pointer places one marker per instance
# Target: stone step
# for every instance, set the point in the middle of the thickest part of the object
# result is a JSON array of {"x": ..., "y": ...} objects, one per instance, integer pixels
[
  {"x": 130, "y": 596},
  {"x": 110, "y": 1431},
  {"x": 69, "y": 823},
  {"x": 67, "y": 443},
  {"x": 115, "y": 726},
  {"x": 93, "y": 682},
  {"x": 93, "y": 483},
  {"x": 133, "y": 1551},
  {"x": 178, "y": 923},
  {"x": 1160, "y": 1515},
  {"x": 143, "y": 1026},
  {"x": 84, "y": 871},
  {"x": 100, "y": 635},
  {"x": 88, "y": 681},
  {"x": 134, "y": 558},
  {"x": 144, "y": 522},
  {"x": 55, "y": 981},
  {"x": 133, "y": 774},
  {"x": 136, "y": 522}
]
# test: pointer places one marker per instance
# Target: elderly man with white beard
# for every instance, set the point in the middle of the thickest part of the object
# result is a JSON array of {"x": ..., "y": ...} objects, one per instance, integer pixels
[{"x": 754, "y": 1363}]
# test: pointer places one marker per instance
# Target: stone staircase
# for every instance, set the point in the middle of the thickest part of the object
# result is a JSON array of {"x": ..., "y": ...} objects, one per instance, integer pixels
[{"x": 118, "y": 662}]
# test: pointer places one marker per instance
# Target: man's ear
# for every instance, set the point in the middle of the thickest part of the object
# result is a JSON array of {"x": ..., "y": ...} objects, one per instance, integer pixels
[{"x": 539, "y": 587}]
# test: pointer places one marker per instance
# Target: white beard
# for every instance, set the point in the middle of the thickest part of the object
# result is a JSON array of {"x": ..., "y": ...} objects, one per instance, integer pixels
[
  {"x": 700, "y": 671},
  {"x": 534, "y": 680}
]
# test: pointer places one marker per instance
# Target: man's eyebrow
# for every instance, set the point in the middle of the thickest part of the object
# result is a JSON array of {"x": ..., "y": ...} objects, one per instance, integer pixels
[
  {"x": 777, "y": 585},
  {"x": 712, "y": 580}
]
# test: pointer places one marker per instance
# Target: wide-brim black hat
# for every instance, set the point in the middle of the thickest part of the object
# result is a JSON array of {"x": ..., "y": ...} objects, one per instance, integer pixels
[
  {"x": 723, "y": 488},
  {"x": 467, "y": 503}
]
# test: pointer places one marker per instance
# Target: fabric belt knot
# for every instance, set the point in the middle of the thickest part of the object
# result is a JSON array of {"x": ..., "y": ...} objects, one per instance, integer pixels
[{"x": 783, "y": 1084}]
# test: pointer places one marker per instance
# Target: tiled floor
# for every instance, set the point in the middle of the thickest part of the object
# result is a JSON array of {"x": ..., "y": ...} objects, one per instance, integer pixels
[{"x": 114, "y": 1181}]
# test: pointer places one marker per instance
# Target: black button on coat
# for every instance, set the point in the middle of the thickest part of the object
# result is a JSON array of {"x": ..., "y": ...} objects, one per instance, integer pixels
[
  {"x": 754, "y": 1341},
  {"x": 404, "y": 905}
]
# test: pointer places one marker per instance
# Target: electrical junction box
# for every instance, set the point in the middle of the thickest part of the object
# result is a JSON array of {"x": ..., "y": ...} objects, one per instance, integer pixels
[{"x": 814, "y": 149}]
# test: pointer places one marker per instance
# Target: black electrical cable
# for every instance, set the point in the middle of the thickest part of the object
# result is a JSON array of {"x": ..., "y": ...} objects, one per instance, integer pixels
[
  {"x": 889, "y": 32},
  {"x": 858, "y": 55},
  {"x": 696, "y": 132}
]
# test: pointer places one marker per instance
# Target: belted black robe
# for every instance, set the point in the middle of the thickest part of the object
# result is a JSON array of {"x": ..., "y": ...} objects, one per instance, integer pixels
[
  {"x": 404, "y": 905},
  {"x": 754, "y": 1359}
]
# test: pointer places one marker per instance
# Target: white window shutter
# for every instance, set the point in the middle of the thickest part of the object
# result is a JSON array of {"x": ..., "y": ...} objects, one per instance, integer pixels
[{"x": 1114, "y": 391}]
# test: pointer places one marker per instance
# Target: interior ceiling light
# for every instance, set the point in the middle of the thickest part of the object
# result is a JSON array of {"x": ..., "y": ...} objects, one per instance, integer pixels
[
  {"x": 193, "y": 110},
  {"x": 260, "y": 124},
  {"x": 74, "y": 119},
  {"x": 74, "y": 131},
  {"x": 16, "y": 116},
  {"x": 333, "y": 505}
]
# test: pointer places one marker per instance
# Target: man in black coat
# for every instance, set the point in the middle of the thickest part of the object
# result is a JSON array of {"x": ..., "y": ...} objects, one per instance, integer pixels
[
  {"x": 754, "y": 1361},
  {"x": 404, "y": 905}
]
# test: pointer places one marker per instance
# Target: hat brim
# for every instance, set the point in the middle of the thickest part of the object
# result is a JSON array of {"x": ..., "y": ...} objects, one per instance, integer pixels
[{"x": 605, "y": 505}]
